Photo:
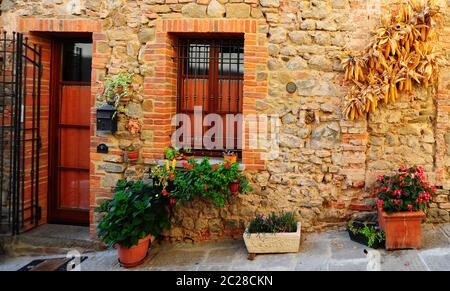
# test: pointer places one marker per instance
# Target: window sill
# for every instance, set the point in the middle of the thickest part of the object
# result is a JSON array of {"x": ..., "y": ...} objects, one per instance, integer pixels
[{"x": 212, "y": 161}]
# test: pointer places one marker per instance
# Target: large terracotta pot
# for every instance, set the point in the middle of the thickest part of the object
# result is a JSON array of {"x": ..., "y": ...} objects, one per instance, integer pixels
[
  {"x": 403, "y": 229},
  {"x": 134, "y": 256}
]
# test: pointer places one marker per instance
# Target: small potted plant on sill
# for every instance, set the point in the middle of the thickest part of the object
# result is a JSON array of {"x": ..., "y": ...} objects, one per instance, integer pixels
[
  {"x": 131, "y": 153},
  {"x": 172, "y": 153},
  {"x": 402, "y": 200},
  {"x": 274, "y": 233},
  {"x": 187, "y": 153},
  {"x": 229, "y": 156},
  {"x": 117, "y": 88},
  {"x": 128, "y": 221},
  {"x": 366, "y": 233}
]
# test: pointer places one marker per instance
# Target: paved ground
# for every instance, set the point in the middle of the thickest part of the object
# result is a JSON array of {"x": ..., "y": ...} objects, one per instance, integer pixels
[{"x": 325, "y": 251}]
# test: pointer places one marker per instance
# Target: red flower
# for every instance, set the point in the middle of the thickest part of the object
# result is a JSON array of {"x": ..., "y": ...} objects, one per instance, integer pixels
[
  {"x": 379, "y": 178},
  {"x": 205, "y": 187},
  {"x": 380, "y": 202},
  {"x": 172, "y": 201},
  {"x": 184, "y": 164},
  {"x": 190, "y": 166},
  {"x": 410, "y": 207},
  {"x": 164, "y": 192},
  {"x": 201, "y": 175},
  {"x": 214, "y": 167},
  {"x": 227, "y": 165}
]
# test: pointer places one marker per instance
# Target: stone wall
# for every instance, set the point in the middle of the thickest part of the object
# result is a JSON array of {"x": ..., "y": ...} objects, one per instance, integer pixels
[{"x": 326, "y": 165}]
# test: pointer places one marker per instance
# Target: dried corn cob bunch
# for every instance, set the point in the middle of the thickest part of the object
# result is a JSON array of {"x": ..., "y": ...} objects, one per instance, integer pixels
[{"x": 399, "y": 56}]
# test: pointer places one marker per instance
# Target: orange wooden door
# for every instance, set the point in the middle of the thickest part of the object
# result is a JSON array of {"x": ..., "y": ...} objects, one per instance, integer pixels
[{"x": 70, "y": 132}]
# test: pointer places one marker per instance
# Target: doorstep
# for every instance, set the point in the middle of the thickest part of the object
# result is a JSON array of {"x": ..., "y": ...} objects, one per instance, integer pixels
[{"x": 50, "y": 239}]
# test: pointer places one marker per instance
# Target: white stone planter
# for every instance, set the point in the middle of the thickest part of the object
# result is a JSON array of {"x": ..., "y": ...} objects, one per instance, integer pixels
[{"x": 283, "y": 242}]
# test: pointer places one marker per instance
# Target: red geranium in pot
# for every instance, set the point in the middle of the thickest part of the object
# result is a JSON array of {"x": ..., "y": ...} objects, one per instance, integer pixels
[{"x": 402, "y": 200}]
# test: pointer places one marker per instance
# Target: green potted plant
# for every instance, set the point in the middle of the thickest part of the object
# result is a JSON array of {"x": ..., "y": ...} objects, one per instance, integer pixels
[
  {"x": 366, "y": 233},
  {"x": 230, "y": 156},
  {"x": 117, "y": 88},
  {"x": 274, "y": 233},
  {"x": 172, "y": 153},
  {"x": 187, "y": 153},
  {"x": 208, "y": 181},
  {"x": 402, "y": 200},
  {"x": 136, "y": 213}
]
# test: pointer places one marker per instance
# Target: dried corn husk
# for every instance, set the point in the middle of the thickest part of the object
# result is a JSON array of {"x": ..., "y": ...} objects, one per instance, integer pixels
[{"x": 400, "y": 55}]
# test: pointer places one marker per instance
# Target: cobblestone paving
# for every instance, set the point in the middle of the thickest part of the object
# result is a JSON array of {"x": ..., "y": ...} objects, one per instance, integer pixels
[{"x": 324, "y": 251}]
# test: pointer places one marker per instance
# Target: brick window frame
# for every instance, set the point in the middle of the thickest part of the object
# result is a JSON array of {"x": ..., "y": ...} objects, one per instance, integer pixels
[
  {"x": 212, "y": 84},
  {"x": 161, "y": 88}
]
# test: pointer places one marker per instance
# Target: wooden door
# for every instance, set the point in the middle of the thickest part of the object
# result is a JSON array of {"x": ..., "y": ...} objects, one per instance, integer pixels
[{"x": 69, "y": 132}]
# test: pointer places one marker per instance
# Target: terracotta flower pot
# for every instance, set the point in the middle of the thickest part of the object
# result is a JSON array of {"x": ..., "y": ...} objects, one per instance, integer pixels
[
  {"x": 234, "y": 187},
  {"x": 230, "y": 158},
  {"x": 132, "y": 156},
  {"x": 403, "y": 229},
  {"x": 134, "y": 256}
]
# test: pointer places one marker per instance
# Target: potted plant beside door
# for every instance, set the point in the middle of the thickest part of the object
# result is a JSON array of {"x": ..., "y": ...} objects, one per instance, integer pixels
[
  {"x": 403, "y": 199},
  {"x": 137, "y": 213}
]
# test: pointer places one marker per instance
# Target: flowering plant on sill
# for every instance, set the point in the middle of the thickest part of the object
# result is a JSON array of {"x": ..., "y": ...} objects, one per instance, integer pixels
[
  {"x": 406, "y": 190},
  {"x": 210, "y": 182}
]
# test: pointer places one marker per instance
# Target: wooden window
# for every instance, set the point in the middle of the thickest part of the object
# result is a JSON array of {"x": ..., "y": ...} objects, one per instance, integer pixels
[{"x": 210, "y": 77}]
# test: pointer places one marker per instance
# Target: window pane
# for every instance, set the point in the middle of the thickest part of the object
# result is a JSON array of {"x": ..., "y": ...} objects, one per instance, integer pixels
[
  {"x": 197, "y": 59},
  {"x": 77, "y": 61},
  {"x": 231, "y": 60}
]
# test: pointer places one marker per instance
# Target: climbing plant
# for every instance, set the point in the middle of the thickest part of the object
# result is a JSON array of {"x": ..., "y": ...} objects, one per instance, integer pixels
[{"x": 401, "y": 54}]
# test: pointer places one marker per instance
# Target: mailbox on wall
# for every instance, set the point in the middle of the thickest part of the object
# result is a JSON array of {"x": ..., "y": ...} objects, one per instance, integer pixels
[{"x": 107, "y": 118}]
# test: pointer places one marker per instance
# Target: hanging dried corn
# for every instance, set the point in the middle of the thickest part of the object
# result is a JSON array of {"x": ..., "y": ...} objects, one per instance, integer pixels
[{"x": 400, "y": 55}]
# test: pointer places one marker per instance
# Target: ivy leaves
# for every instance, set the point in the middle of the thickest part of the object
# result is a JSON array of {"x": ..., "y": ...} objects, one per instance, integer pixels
[{"x": 135, "y": 211}]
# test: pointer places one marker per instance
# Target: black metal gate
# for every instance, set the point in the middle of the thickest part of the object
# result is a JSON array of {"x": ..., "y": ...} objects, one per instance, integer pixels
[{"x": 20, "y": 96}]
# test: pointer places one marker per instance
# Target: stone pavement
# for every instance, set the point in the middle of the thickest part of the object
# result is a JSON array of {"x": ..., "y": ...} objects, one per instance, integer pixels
[{"x": 324, "y": 251}]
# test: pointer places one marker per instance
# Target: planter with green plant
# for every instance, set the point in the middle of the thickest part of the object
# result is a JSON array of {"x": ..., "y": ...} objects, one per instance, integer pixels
[
  {"x": 172, "y": 153},
  {"x": 366, "y": 233},
  {"x": 210, "y": 182},
  {"x": 274, "y": 233},
  {"x": 136, "y": 213},
  {"x": 402, "y": 200}
]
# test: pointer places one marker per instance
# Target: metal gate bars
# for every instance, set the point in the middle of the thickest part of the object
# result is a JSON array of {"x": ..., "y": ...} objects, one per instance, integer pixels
[{"x": 20, "y": 96}]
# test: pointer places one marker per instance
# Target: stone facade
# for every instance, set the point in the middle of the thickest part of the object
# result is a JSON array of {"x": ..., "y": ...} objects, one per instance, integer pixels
[{"x": 326, "y": 167}]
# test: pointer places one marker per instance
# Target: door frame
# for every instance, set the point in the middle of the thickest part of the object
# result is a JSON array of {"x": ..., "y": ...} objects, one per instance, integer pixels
[{"x": 55, "y": 215}]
